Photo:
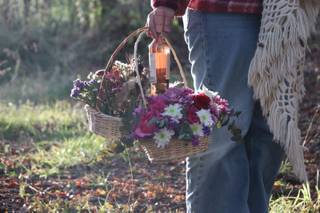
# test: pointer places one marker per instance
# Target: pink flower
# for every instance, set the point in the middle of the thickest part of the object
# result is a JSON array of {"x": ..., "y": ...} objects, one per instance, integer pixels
[
  {"x": 222, "y": 104},
  {"x": 214, "y": 110},
  {"x": 144, "y": 128},
  {"x": 113, "y": 75}
]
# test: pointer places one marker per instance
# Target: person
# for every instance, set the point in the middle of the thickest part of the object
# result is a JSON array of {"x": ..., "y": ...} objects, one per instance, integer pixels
[{"x": 222, "y": 37}]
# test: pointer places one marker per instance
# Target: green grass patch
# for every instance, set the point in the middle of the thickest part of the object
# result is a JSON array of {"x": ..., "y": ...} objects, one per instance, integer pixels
[
  {"x": 303, "y": 202},
  {"x": 71, "y": 152},
  {"x": 41, "y": 122},
  {"x": 286, "y": 167}
]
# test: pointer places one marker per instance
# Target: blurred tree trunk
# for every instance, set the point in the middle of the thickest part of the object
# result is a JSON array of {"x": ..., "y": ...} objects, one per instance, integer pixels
[
  {"x": 107, "y": 6},
  {"x": 26, "y": 9},
  {"x": 5, "y": 10}
]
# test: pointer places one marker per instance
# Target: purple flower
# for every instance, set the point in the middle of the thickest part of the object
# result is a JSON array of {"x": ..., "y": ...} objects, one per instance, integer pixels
[
  {"x": 92, "y": 81},
  {"x": 89, "y": 83},
  {"x": 78, "y": 83},
  {"x": 172, "y": 124},
  {"x": 173, "y": 92},
  {"x": 186, "y": 100},
  {"x": 206, "y": 130},
  {"x": 179, "y": 95},
  {"x": 187, "y": 91},
  {"x": 137, "y": 111},
  {"x": 195, "y": 141},
  {"x": 75, "y": 92},
  {"x": 157, "y": 105}
]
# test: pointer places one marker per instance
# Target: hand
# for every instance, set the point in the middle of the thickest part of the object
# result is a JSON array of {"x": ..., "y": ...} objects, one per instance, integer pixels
[{"x": 159, "y": 21}]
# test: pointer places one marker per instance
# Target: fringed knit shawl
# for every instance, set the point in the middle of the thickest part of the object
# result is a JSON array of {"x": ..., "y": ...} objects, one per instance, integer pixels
[{"x": 276, "y": 71}]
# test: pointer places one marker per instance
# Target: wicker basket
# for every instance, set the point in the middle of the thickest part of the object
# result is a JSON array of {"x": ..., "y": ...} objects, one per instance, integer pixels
[
  {"x": 99, "y": 123},
  {"x": 176, "y": 150},
  {"x": 102, "y": 124}
]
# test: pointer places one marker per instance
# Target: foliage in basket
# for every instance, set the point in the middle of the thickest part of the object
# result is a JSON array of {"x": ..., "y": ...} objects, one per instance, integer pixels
[
  {"x": 120, "y": 86},
  {"x": 121, "y": 94},
  {"x": 181, "y": 113}
]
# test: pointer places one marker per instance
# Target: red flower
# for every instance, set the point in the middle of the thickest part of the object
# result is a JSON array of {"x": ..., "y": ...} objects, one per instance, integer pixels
[
  {"x": 201, "y": 101},
  {"x": 192, "y": 116}
]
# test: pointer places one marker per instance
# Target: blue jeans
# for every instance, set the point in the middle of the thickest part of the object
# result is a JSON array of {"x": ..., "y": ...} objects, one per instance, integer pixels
[{"x": 231, "y": 177}]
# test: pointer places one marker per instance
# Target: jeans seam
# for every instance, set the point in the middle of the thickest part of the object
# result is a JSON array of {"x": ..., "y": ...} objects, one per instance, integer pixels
[
  {"x": 199, "y": 177},
  {"x": 203, "y": 37}
]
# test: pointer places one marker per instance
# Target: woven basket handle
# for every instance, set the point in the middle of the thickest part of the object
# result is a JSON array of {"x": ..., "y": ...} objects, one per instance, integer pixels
[{"x": 101, "y": 92}]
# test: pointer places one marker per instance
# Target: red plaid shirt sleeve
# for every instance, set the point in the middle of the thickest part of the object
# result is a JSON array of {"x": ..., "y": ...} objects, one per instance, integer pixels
[
  {"x": 177, "y": 5},
  {"x": 238, "y": 6}
]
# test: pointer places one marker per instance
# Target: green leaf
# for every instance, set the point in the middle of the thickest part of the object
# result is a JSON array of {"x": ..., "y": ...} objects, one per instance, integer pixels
[
  {"x": 118, "y": 148},
  {"x": 218, "y": 124},
  {"x": 226, "y": 121},
  {"x": 185, "y": 132},
  {"x": 162, "y": 123},
  {"x": 153, "y": 121},
  {"x": 2, "y": 166}
]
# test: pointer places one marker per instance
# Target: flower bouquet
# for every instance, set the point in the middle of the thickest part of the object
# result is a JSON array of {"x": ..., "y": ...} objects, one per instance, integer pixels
[
  {"x": 120, "y": 97},
  {"x": 177, "y": 123},
  {"x": 112, "y": 94}
]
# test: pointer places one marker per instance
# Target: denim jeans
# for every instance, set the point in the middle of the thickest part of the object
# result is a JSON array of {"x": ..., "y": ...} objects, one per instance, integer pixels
[{"x": 231, "y": 177}]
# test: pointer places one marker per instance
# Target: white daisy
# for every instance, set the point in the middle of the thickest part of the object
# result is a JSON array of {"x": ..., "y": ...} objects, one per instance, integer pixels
[
  {"x": 163, "y": 137},
  {"x": 197, "y": 129},
  {"x": 205, "y": 117},
  {"x": 173, "y": 111}
]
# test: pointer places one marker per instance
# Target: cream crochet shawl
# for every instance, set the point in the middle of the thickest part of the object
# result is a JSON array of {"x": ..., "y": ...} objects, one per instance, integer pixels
[{"x": 276, "y": 71}]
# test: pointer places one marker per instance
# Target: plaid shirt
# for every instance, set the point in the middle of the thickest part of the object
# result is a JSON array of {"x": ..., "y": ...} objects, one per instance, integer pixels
[{"x": 237, "y": 6}]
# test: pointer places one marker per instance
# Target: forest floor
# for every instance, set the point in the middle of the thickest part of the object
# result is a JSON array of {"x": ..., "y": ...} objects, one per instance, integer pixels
[{"x": 49, "y": 163}]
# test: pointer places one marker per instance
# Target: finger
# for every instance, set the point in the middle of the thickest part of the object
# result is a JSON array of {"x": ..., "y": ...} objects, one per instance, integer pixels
[
  {"x": 154, "y": 28},
  {"x": 159, "y": 22},
  {"x": 151, "y": 26},
  {"x": 167, "y": 24}
]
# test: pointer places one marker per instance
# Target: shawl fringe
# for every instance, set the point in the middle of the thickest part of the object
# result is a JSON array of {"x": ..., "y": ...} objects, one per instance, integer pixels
[{"x": 276, "y": 71}]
